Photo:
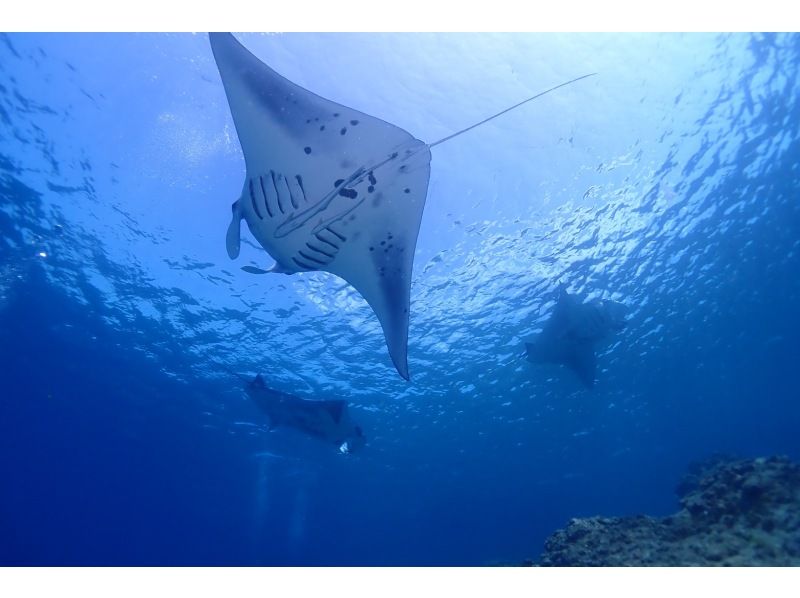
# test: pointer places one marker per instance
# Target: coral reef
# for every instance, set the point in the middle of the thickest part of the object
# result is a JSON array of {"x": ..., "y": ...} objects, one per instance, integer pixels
[{"x": 733, "y": 512}]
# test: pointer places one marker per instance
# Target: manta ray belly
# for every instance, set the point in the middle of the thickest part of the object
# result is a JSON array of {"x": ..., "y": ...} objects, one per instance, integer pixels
[{"x": 271, "y": 199}]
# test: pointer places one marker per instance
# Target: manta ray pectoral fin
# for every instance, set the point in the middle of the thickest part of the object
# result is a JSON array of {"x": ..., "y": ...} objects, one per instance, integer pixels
[
  {"x": 533, "y": 352},
  {"x": 378, "y": 256},
  {"x": 233, "y": 238},
  {"x": 388, "y": 294},
  {"x": 335, "y": 409},
  {"x": 583, "y": 361}
]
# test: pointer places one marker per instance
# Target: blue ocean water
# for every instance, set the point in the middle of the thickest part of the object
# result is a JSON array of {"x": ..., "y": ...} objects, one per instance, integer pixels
[{"x": 668, "y": 182}]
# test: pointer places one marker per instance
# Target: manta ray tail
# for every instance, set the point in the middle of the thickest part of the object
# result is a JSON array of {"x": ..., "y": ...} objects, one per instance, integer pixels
[{"x": 486, "y": 120}]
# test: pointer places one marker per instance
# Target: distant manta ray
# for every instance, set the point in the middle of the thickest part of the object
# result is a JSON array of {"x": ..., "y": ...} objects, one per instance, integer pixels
[
  {"x": 328, "y": 187},
  {"x": 570, "y": 334},
  {"x": 328, "y": 420}
]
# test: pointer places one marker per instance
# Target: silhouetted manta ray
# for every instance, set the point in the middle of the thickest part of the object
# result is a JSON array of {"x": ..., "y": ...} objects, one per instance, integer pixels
[
  {"x": 328, "y": 187},
  {"x": 570, "y": 334},
  {"x": 328, "y": 420}
]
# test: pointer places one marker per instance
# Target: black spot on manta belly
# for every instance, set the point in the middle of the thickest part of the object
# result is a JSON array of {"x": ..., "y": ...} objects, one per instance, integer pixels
[
  {"x": 307, "y": 150},
  {"x": 406, "y": 190},
  {"x": 370, "y": 188},
  {"x": 354, "y": 122},
  {"x": 343, "y": 131},
  {"x": 338, "y": 182},
  {"x": 349, "y": 193}
]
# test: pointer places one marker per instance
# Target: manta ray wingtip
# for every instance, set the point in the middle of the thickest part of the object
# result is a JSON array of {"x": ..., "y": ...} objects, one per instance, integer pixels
[
  {"x": 398, "y": 353},
  {"x": 403, "y": 371},
  {"x": 218, "y": 36}
]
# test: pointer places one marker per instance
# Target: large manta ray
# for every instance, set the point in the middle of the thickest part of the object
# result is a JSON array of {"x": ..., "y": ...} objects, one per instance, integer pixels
[
  {"x": 570, "y": 335},
  {"x": 328, "y": 187}
]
